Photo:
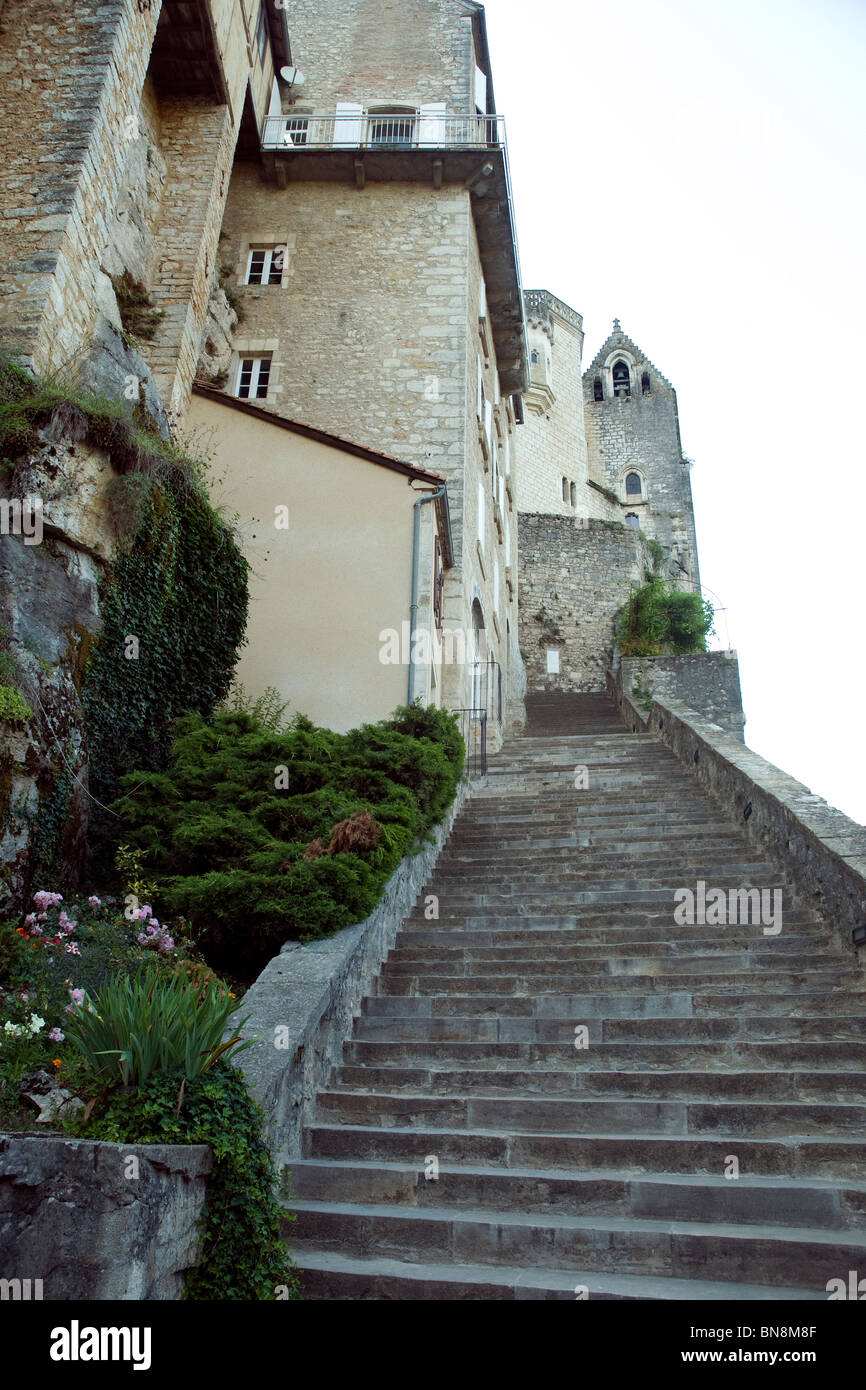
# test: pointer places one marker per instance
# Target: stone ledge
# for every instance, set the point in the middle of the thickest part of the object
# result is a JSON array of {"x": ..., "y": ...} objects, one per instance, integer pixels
[
  {"x": 302, "y": 1006},
  {"x": 821, "y": 848},
  {"x": 71, "y": 1216}
]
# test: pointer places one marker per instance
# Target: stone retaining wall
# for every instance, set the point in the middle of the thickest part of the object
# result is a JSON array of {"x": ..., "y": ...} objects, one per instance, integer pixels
[
  {"x": 81, "y": 1219},
  {"x": 302, "y": 1005}
]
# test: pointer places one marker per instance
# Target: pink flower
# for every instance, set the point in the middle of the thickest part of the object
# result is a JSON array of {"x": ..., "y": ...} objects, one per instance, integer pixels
[
  {"x": 35, "y": 931},
  {"x": 44, "y": 899},
  {"x": 43, "y": 917},
  {"x": 72, "y": 949},
  {"x": 55, "y": 1035},
  {"x": 30, "y": 918},
  {"x": 94, "y": 902},
  {"x": 77, "y": 996}
]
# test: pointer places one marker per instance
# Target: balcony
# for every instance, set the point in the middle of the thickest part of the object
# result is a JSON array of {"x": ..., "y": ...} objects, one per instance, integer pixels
[
  {"x": 353, "y": 145},
  {"x": 397, "y": 131}
]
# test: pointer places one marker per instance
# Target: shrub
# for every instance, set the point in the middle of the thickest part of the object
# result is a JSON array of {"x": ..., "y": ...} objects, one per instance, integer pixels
[
  {"x": 253, "y": 862},
  {"x": 658, "y": 621},
  {"x": 150, "y": 1023},
  {"x": 14, "y": 709}
]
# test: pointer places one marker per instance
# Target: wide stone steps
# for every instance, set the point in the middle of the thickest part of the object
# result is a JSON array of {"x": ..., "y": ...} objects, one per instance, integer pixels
[
  {"x": 722, "y": 1251},
  {"x": 803, "y": 1201},
  {"x": 331, "y": 1275},
  {"x": 583, "y": 1069}
]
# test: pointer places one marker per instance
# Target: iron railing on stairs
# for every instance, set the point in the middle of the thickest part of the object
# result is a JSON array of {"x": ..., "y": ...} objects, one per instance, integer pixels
[{"x": 473, "y": 728}]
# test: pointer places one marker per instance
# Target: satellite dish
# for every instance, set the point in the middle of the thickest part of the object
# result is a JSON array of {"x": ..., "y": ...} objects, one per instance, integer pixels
[{"x": 293, "y": 77}]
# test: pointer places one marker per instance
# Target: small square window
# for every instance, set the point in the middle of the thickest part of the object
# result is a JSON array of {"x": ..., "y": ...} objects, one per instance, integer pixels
[{"x": 265, "y": 265}]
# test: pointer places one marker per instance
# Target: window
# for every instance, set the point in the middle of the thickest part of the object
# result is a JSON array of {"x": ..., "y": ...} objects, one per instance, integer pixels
[
  {"x": 495, "y": 585},
  {"x": 534, "y": 357},
  {"x": 481, "y": 513},
  {"x": 565, "y": 489},
  {"x": 553, "y": 661},
  {"x": 632, "y": 520},
  {"x": 262, "y": 34},
  {"x": 573, "y": 492},
  {"x": 494, "y": 471},
  {"x": 633, "y": 485},
  {"x": 253, "y": 377},
  {"x": 391, "y": 128},
  {"x": 621, "y": 379},
  {"x": 265, "y": 265},
  {"x": 597, "y": 390},
  {"x": 645, "y": 384},
  {"x": 297, "y": 130}
]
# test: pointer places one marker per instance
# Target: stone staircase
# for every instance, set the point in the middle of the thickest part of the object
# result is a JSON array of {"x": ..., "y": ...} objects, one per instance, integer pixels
[{"x": 567, "y": 1170}]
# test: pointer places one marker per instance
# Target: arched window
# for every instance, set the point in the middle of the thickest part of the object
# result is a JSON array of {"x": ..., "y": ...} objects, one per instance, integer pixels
[
  {"x": 645, "y": 384},
  {"x": 633, "y": 520},
  {"x": 534, "y": 357},
  {"x": 633, "y": 486},
  {"x": 597, "y": 389},
  {"x": 621, "y": 379}
]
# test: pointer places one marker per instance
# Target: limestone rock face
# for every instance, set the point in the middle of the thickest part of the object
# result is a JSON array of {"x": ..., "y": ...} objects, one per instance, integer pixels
[
  {"x": 216, "y": 350},
  {"x": 113, "y": 368}
]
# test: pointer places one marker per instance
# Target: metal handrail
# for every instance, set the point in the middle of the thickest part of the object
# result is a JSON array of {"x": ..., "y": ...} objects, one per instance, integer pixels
[
  {"x": 382, "y": 130},
  {"x": 473, "y": 728}
]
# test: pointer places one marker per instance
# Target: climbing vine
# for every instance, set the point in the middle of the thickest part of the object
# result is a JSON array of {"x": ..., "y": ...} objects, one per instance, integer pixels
[{"x": 174, "y": 610}]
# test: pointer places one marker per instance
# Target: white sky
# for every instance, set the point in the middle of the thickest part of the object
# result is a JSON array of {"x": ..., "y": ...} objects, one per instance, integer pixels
[{"x": 697, "y": 169}]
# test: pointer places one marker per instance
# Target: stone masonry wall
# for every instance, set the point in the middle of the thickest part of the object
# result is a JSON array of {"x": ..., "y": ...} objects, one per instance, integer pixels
[
  {"x": 380, "y": 53},
  {"x": 95, "y": 1221},
  {"x": 707, "y": 682},
  {"x": 573, "y": 579},
  {"x": 552, "y": 442},
  {"x": 73, "y": 75}
]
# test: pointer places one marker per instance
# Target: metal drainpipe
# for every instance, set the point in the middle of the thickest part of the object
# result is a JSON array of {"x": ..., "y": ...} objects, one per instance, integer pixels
[{"x": 413, "y": 609}]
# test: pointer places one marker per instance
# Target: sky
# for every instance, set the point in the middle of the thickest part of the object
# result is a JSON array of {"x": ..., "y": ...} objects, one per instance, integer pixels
[{"x": 697, "y": 170}]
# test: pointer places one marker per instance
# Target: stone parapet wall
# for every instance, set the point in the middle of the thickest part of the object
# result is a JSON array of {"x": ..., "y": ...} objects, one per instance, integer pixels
[
  {"x": 708, "y": 682},
  {"x": 822, "y": 850}
]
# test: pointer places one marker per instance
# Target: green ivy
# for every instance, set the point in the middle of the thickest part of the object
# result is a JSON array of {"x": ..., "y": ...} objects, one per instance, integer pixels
[
  {"x": 14, "y": 709},
  {"x": 243, "y": 1254},
  {"x": 177, "y": 596}
]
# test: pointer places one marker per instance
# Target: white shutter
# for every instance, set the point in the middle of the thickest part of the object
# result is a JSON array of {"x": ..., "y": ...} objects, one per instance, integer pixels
[
  {"x": 481, "y": 515},
  {"x": 482, "y": 302},
  {"x": 480, "y": 91},
  {"x": 275, "y": 107},
  {"x": 488, "y": 420},
  {"x": 501, "y": 495},
  {"x": 480, "y": 405},
  {"x": 496, "y": 396},
  {"x": 508, "y": 455},
  {"x": 496, "y": 585},
  {"x": 348, "y": 123},
  {"x": 431, "y": 127}
]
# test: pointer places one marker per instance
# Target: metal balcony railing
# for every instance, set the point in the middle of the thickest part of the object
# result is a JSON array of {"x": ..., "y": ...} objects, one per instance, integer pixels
[{"x": 382, "y": 131}]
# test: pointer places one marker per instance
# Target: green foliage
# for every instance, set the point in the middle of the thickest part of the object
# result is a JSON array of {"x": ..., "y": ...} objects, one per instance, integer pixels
[
  {"x": 180, "y": 589},
  {"x": 243, "y": 1253},
  {"x": 268, "y": 709},
  {"x": 658, "y": 621},
  {"x": 657, "y": 553},
  {"x": 641, "y": 695},
  {"x": 137, "y": 314},
  {"x": 249, "y": 861},
  {"x": 14, "y": 709},
  {"x": 150, "y": 1023}
]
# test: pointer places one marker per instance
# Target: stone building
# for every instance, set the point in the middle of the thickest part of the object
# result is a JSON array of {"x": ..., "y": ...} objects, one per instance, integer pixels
[
  {"x": 369, "y": 245},
  {"x": 601, "y": 473}
]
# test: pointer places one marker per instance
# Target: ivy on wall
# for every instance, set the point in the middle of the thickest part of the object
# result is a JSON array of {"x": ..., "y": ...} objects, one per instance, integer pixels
[{"x": 174, "y": 610}]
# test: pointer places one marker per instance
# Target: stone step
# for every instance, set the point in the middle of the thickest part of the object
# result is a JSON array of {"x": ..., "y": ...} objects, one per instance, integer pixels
[
  {"x": 576, "y": 1081},
  {"x": 790, "y": 1255},
  {"x": 594, "y": 971},
  {"x": 451, "y": 1027},
  {"x": 540, "y": 1115},
  {"x": 547, "y": 983},
  {"x": 537, "y": 933},
  {"x": 328, "y": 1275},
  {"x": 721, "y": 1055},
  {"x": 798, "y": 1201},
  {"x": 829, "y": 1157},
  {"x": 710, "y": 956}
]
